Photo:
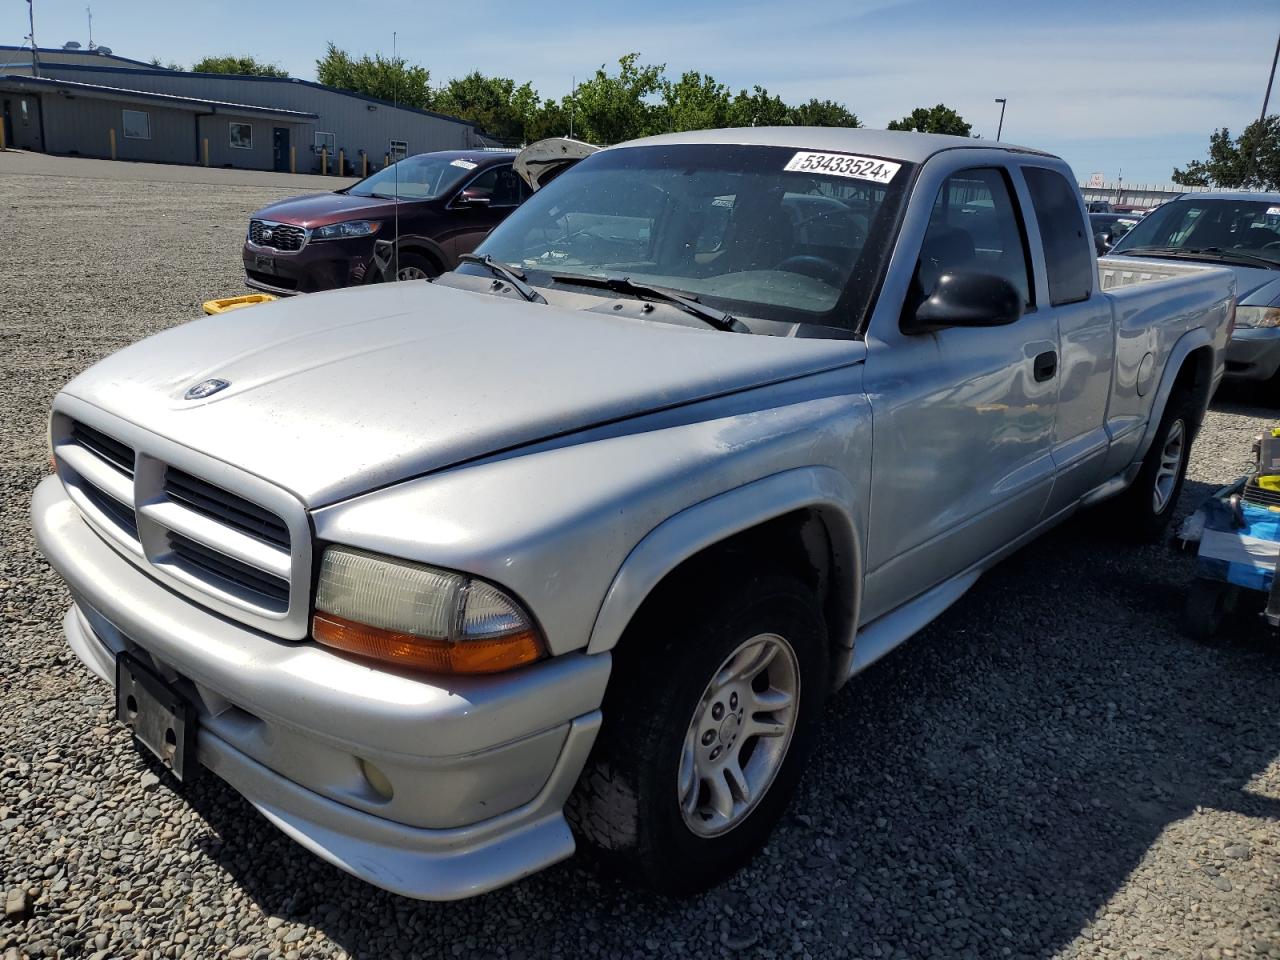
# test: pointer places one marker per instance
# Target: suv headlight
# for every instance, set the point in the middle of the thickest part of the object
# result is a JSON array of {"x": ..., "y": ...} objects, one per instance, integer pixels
[
  {"x": 1257, "y": 316},
  {"x": 350, "y": 228},
  {"x": 419, "y": 616}
]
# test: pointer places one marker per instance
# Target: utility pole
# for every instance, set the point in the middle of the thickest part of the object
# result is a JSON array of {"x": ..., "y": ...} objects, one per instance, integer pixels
[
  {"x": 573, "y": 99},
  {"x": 1000, "y": 128},
  {"x": 1262, "y": 117},
  {"x": 35, "y": 49},
  {"x": 89, "y": 11}
]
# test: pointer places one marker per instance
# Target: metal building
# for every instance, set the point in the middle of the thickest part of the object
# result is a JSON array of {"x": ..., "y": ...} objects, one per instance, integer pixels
[{"x": 88, "y": 104}]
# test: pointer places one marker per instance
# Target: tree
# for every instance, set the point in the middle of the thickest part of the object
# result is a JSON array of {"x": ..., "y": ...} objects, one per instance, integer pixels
[
  {"x": 495, "y": 104},
  {"x": 939, "y": 119},
  {"x": 388, "y": 78},
  {"x": 757, "y": 109},
  {"x": 245, "y": 66},
  {"x": 822, "y": 113},
  {"x": 549, "y": 119},
  {"x": 1232, "y": 162},
  {"x": 171, "y": 65},
  {"x": 695, "y": 102},
  {"x": 610, "y": 108}
]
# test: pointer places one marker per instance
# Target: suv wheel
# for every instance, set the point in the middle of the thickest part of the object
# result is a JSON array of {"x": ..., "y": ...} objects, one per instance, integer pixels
[
  {"x": 716, "y": 704},
  {"x": 414, "y": 266}
]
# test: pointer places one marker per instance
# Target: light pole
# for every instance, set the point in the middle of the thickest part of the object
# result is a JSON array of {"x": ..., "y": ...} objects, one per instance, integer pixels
[
  {"x": 1000, "y": 128},
  {"x": 1262, "y": 119}
]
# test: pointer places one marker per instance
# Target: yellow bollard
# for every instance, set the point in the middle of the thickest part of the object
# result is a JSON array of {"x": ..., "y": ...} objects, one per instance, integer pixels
[
  {"x": 386, "y": 160},
  {"x": 342, "y": 164},
  {"x": 206, "y": 151},
  {"x": 2, "y": 145},
  {"x": 293, "y": 159},
  {"x": 364, "y": 161},
  {"x": 112, "y": 134},
  {"x": 324, "y": 161}
]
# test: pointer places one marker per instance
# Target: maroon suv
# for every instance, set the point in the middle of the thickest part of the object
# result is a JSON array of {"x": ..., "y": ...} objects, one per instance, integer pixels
[{"x": 448, "y": 202}]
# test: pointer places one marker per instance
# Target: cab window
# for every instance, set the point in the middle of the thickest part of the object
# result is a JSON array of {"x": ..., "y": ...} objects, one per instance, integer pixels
[
  {"x": 1068, "y": 250},
  {"x": 975, "y": 228}
]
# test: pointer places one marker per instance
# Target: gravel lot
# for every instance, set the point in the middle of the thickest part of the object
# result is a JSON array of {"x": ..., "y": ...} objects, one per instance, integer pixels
[{"x": 1051, "y": 770}]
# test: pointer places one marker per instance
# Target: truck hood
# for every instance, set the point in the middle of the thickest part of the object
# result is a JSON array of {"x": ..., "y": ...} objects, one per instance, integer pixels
[{"x": 331, "y": 395}]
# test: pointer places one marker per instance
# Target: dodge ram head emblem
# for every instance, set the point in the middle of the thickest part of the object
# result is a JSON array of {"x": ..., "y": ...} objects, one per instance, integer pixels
[{"x": 205, "y": 388}]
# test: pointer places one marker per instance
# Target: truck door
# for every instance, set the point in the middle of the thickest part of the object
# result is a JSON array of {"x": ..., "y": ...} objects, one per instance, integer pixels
[
  {"x": 481, "y": 205},
  {"x": 962, "y": 418},
  {"x": 1066, "y": 274}
]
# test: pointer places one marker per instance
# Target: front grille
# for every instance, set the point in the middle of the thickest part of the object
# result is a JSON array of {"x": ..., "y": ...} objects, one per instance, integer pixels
[
  {"x": 273, "y": 280},
  {"x": 228, "y": 508},
  {"x": 231, "y": 573},
  {"x": 280, "y": 236},
  {"x": 107, "y": 449},
  {"x": 238, "y": 546}
]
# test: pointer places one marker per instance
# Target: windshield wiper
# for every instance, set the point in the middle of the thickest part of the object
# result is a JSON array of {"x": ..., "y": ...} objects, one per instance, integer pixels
[
  {"x": 1242, "y": 257},
  {"x": 504, "y": 272},
  {"x": 689, "y": 304},
  {"x": 1198, "y": 253}
]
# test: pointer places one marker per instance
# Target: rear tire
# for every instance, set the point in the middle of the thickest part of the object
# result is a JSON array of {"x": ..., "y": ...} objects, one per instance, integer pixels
[
  {"x": 700, "y": 751},
  {"x": 1143, "y": 512}
]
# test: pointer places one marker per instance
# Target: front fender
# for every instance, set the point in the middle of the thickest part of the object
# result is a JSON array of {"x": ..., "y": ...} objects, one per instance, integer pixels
[
  {"x": 677, "y": 539},
  {"x": 1190, "y": 341}
]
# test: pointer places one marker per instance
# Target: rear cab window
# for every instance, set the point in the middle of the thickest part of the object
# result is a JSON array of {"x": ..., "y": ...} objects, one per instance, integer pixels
[{"x": 1068, "y": 248}]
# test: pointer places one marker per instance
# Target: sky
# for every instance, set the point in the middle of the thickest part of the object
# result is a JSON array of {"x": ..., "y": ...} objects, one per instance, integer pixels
[{"x": 1128, "y": 88}]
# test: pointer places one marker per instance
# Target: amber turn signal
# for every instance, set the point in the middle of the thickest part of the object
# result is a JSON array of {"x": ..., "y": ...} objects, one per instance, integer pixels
[{"x": 422, "y": 653}]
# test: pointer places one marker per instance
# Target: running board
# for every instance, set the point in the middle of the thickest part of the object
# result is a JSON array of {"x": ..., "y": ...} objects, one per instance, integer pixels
[{"x": 883, "y": 634}]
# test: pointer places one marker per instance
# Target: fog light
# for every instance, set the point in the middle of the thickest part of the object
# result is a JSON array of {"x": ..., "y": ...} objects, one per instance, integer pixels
[{"x": 377, "y": 780}]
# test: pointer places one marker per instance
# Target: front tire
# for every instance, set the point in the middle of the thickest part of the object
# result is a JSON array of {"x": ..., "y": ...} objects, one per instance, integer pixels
[
  {"x": 709, "y": 721},
  {"x": 414, "y": 266}
]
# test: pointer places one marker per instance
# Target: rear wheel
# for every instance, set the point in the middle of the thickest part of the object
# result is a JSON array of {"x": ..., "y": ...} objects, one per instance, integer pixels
[
  {"x": 1144, "y": 511},
  {"x": 714, "y": 707}
]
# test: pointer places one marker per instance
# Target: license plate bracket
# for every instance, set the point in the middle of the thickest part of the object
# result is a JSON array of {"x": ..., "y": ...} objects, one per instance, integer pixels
[
  {"x": 158, "y": 716},
  {"x": 264, "y": 263}
]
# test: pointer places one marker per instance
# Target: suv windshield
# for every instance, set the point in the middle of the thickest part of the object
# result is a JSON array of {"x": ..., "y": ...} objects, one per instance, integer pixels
[
  {"x": 423, "y": 177},
  {"x": 1248, "y": 227},
  {"x": 738, "y": 227}
]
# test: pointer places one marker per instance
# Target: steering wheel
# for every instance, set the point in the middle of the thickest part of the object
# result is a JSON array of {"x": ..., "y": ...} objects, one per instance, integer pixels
[{"x": 810, "y": 265}]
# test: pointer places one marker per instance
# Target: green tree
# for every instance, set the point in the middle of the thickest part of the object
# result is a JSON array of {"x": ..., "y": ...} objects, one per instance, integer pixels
[
  {"x": 695, "y": 102},
  {"x": 1251, "y": 160},
  {"x": 495, "y": 104},
  {"x": 939, "y": 119},
  {"x": 245, "y": 66},
  {"x": 822, "y": 113},
  {"x": 757, "y": 109},
  {"x": 388, "y": 78},
  {"x": 171, "y": 65},
  {"x": 610, "y": 108},
  {"x": 548, "y": 119}
]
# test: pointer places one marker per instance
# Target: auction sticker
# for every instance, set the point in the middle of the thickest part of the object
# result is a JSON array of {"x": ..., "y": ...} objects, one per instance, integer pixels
[
  {"x": 464, "y": 164},
  {"x": 843, "y": 165}
]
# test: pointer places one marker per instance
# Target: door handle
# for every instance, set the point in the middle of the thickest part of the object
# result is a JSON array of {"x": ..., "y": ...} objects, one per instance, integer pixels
[{"x": 1045, "y": 366}]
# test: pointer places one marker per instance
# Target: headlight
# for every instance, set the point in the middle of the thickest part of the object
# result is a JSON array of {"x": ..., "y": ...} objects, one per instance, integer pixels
[
  {"x": 351, "y": 228},
  {"x": 419, "y": 616},
  {"x": 1258, "y": 316}
]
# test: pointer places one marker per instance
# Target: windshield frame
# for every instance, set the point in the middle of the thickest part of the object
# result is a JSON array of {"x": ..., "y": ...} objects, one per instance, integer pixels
[
  {"x": 850, "y": 310},
  {"x": 447, "y": 186},
  {"x": 1142, "y": 234}
]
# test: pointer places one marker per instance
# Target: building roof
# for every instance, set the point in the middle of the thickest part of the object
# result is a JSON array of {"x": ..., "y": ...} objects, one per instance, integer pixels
[
  {"x": 899, "y": 144},
  {"x": 148, "y": 69},
  {"x": 100, "y": 92},
  {"x": 6, "y": 49}
]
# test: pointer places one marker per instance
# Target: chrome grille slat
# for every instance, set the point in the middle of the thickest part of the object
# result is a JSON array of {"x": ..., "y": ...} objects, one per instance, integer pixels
[
  {"x": 219, "y": 504},
  {"x": 121, "y": 513},
  {"x": 279, "y": 236},
  {"x": 237, "y": 574}
]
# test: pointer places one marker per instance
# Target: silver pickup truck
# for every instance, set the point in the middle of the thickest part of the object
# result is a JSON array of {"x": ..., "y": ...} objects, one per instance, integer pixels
[{"x": 574, "y": 543}]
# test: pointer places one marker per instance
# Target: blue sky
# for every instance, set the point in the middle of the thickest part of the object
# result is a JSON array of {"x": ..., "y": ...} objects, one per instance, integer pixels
[{"x": 1128, "y": 87}]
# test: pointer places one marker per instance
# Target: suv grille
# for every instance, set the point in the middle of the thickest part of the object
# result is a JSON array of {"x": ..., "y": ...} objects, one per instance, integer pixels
[
  {"x": 281, "y": 236},
  {"x": 226, "y": 549}
]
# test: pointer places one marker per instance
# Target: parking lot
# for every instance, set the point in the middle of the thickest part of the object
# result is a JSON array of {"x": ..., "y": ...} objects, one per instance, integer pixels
[{"x": 1050, "y": 770}]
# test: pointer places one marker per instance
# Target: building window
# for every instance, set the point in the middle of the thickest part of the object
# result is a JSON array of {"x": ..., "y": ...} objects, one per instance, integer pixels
[
  {"x": 399, "y": 150},
  {"x": 241, "y": 135},
  {"x": 137, "y": 125},
  {"x": 26, "y": 114},
  {"x": 327, "y": 142}
]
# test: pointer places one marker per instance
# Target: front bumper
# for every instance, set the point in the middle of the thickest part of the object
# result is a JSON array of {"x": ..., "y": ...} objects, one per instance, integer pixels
[
  {"x": 481, "y": 769},
  {"x": 1253, "y": 353},
  {"x": 319, "y": 265}
]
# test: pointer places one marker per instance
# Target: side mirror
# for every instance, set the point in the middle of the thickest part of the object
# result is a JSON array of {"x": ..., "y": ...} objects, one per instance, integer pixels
[
  {"x": 1102, "y": 242},
  {"x": 468, "y": 199},
  {"x": 966, "y": 300}
]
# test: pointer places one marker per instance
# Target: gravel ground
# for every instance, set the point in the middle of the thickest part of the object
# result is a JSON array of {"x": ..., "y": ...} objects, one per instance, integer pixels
[{"x": 1049, "y": 771}]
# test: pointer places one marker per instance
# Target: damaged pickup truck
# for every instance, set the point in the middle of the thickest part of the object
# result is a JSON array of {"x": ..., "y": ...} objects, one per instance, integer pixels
[{"x": 573, "y": 543}]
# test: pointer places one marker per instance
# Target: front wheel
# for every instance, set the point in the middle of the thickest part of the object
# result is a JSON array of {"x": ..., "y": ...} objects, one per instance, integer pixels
[
  {"x": 715, "y": 704},
  {"x": 414, "y": 266}
]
